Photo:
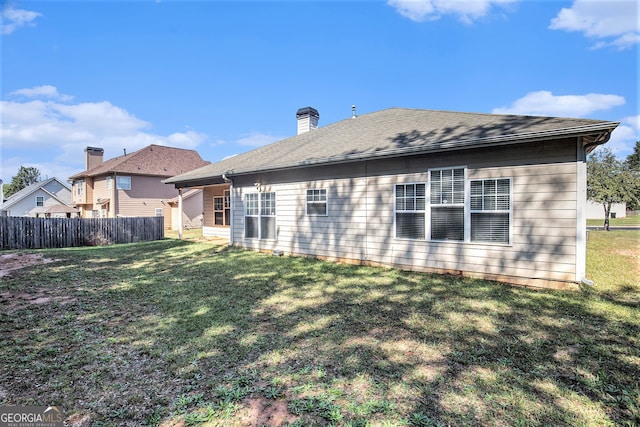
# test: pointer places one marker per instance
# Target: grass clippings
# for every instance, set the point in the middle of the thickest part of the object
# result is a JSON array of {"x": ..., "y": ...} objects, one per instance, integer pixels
[{"x": 189, "y": 333}]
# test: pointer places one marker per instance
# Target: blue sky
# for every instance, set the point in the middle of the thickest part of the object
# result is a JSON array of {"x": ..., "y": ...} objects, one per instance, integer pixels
[{"x": 224, "y": 77}]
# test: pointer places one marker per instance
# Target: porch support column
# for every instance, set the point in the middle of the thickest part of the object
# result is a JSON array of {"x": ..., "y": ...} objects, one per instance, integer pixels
[{"x": 180, "y": 225}]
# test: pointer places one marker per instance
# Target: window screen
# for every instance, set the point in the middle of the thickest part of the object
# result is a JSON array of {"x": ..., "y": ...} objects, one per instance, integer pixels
[
  {"x": 490, "y": 210},
  {"x": 410, "y": 211},
  {"x": 251, "y": 211},
  {"x": 260, "y": 216},
  {"x": 317, "y": 202},
  {"x": 447, "y": 204}
]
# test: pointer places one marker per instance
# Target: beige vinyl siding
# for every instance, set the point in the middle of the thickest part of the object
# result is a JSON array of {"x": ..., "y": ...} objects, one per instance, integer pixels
[
  {"x": 360, "y": 221},
  {"x": 209, "y": 228},
  {"x": 147, "y": 193},
  {"x": 88, "y": 189},
  {"x": 100, "y": 192},
  {"x": 191, "y": 212},
  {"x": 208, "y": 194}
]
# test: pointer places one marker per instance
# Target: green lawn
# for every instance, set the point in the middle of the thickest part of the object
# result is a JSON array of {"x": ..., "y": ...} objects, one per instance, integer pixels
[
  {"x": 172, "y": 332},
  {"x": 633, "y": 220}
]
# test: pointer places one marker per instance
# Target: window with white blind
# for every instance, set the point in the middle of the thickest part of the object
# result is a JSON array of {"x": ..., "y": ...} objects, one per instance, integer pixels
[
  {"x": 447, "y": 203},
  {"x": 260, "y": 216},
  {"x": 454, "y": 208},
  {"x": 410, "y": 211},
  {"x": 317, "y": 202},
  {"x": 79, "y": 186},
  {"x": 490, "y": 208},
  {"x": 123, "y": 182}
]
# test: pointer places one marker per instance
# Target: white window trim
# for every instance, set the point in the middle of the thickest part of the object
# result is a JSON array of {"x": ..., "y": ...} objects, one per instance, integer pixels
[
  {"x": 467, "y": 209},
  {"x": 501, "y": 211},
  {"x": 119, "y": 185},
  {"x": 325, "y": 202},
  {"x": 259, "y": 215},
  {"x": 396, "y": 211},
  {"x": 79, "y": 187},
  {"x": 465, "y": 205},
  {"x": 159, "y": 210},
  {"x": 222, "y": 211},
  {"x": 247, "y": 215},
  {"x": 109, "y": 182},
  {"x": 39, "y": 197}
]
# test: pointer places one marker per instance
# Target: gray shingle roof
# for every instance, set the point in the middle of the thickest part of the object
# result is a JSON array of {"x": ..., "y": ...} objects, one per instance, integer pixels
[
  {"x": 396, "y": 132},
  {"x": 25, "y": 192}
]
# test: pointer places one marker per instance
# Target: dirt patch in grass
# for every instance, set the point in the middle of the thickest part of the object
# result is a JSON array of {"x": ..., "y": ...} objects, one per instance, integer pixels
[
  {"x": 17, "y": 300},
  {"x": 13, "y": 300},
  {"x": 261, "y": 411},
  {"x": 16, "y": 261}
]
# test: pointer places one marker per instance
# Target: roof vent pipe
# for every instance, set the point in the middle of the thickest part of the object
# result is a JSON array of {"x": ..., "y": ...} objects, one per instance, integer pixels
[
  {"x": 353, "y": 111},
  {"x": 307, "y": 119}
]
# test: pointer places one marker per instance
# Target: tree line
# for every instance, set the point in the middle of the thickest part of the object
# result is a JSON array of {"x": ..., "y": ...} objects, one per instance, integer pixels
[
  {"x": 24, "y": 178},
  {"x": 612, "y": 180}
]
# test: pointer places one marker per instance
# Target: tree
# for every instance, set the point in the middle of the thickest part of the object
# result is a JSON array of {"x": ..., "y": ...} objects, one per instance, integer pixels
[
  {"x": 24, "y": 178},
  {"x": 633, "y": 159},
  {"x": 609, "y": 180},
  {"x": 633, "y": 163}
]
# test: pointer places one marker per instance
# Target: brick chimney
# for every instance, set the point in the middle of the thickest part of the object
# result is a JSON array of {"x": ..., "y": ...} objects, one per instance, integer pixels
[
  {"x": 93, "y": 157},
  {"x": 307, "y": 119}
]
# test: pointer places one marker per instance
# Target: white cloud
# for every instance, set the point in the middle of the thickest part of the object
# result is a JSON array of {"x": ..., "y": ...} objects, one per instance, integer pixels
[
  {"x": 624, "y": 137},
  {"x": 12, "y": 18},
  {"x": 467, "y": 11},
  {"x": 64, "y": 130},
  {"x": 45, "y": 91},
  {"x": 257, "y": 139},
  {"x": 545, "y": 103},
  {"x": 610, "y": 23}
]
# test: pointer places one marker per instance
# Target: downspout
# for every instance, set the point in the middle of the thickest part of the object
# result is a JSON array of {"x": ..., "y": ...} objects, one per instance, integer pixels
[
  {"x": 230, "y": 182},
  {"x": 366, "y": 210}
]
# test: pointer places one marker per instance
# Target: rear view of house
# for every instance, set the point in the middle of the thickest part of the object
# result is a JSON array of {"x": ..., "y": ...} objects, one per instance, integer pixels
[
  {"x": 500, "y": 197},
  {"x": 131, "y": 185}
]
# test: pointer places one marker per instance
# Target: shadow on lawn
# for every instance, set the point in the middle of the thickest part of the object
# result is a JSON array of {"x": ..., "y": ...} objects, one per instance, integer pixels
[{"x": 155, "y": 335}]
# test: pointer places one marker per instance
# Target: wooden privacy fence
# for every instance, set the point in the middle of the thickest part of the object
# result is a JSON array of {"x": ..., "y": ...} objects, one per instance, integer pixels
[{"x": 35, "y": 233}]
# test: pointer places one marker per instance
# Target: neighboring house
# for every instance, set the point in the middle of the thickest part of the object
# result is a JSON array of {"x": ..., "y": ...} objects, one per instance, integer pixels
[
  {"x": 56, "y": 211},
  {"x": 500, "y": 197},
  {"x": 131, "y": 185},
  {"x": 36, "y": 198},
  {"x": 192, "y": 215},
  {"x": 596, "y": 210}
]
